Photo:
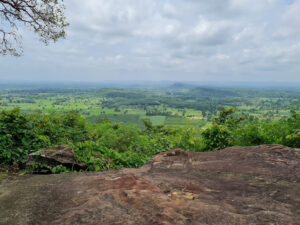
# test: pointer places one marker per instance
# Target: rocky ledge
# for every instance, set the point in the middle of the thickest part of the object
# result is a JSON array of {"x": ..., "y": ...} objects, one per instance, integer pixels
[{"x": 238, "y": 185}]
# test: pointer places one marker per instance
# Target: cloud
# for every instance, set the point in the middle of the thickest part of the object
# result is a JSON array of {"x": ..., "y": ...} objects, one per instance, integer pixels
[{"x": 169, "y": 39}]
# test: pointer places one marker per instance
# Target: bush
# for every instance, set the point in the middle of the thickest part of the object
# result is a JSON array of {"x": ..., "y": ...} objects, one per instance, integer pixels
[
  {"x": 216, "y": 137},
  {"x": 96, "y": 157},
  {"x": 22, "y": 134},
  {"x": 292, "y": 139},
  {"x": 189, "y": 139},
  {"x": 18, "y": 136},
  {"x": 247, "y": 135}
]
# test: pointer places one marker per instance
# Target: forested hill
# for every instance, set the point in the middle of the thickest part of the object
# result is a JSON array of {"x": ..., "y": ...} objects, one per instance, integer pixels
[
  {"x": 212, "y": 92},
  {"x": 181, "y": 86}
]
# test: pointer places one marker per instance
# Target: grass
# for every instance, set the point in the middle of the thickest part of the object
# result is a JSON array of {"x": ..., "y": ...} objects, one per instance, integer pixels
[
  {"x": 158, "y": 120},
  {"x": 2, "y": 175}
]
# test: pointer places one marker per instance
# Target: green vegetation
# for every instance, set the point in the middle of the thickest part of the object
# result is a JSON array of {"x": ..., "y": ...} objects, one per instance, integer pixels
[
  {"x": 2, "y": 175},
  {"x": 117, "y": 128},
  {"x": 174, "y": 106},
  {"x": 108, "y": 145}
]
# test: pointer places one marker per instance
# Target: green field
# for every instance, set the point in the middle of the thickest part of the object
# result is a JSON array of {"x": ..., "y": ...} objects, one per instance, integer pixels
[{"x": 169, "y": 107}]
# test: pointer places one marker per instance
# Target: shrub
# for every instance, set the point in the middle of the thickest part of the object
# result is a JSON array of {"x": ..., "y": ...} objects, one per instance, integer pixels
[
  {"x": 18, "y": 136},
  {"x": 22, "y": 134},
  {"x": 96, "y": 157},
  {"x": 216, "y": 137},
  {"x": 292, "y": 139},
  {"x": 248, "y": 134},
  {"x": 189, "y": 139}
]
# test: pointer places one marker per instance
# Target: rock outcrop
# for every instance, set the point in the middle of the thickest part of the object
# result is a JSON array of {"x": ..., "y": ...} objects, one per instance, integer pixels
[
  {"x": 236, "y": 186},
  {"x": 59, "y": 155}
]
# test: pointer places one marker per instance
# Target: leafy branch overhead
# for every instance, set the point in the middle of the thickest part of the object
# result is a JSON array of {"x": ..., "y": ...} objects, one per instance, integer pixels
[{"x": 45, "y": 17}]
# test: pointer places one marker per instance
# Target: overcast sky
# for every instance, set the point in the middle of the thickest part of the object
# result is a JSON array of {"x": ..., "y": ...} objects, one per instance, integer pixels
[{"x": 187, "y": 40}]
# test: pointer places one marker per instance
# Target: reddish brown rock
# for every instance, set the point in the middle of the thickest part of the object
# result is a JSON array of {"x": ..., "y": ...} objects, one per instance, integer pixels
[
  {"x": 238, "y": 185},
  {"x": 59, "y": 155}
]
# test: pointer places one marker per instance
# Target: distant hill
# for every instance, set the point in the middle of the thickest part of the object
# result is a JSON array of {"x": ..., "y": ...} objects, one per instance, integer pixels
[
  {"x": 181, "y": 86},
  {"x": 212, "y": 92}
]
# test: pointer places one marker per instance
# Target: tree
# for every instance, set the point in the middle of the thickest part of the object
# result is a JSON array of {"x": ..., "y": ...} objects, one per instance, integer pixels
[
  {"x": 224, "y": 114},
  {"x": 45, "y": 17}
]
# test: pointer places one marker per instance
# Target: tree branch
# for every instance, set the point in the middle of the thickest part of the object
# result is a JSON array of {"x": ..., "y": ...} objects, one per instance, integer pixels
[{"x": 45, "y": 17}]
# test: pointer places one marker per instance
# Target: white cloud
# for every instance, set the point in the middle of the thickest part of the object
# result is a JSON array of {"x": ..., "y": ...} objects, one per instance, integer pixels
[{"x": 230, "y": 39}]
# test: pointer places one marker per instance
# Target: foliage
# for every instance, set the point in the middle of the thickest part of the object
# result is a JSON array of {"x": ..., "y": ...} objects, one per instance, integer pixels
[
  {"x": 98, "y": 157},
  {"x": 59, "y": 169},
  {"x": 254, "y": 132},
  {"x": 224, "y": 115},
  {"x": 22, "y": 134},
  {"x": 248, "y": 134},
  {"x": 168, "y": 107},
  {"x": 17, "y": 136},
  {"x": 216, "y": 137},
  {"x": 45, "y": 17},
  {"x": 292, "y": 128},
  {"x": 3, "y": 175},
  {"x": 227, "y": 117},
  {"x": 107, "y": 145}
]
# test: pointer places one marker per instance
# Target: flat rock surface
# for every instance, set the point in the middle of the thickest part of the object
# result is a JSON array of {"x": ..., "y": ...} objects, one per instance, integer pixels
[{"x": 238, "y": 185}]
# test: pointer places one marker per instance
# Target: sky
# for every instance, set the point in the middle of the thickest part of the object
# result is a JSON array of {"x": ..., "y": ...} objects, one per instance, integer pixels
[{"x": 178, "y": 40}]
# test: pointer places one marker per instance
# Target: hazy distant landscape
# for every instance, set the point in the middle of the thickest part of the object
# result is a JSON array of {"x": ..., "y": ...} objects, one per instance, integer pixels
[{"x": 166, "y": 103}]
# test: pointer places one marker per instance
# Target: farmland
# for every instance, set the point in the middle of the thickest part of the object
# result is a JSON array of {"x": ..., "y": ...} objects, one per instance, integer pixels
[{"x": 175, "y": 105}]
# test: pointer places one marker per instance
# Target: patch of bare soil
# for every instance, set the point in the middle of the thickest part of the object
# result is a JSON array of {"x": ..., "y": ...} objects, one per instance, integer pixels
[{"x": 238, "y": 185}]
